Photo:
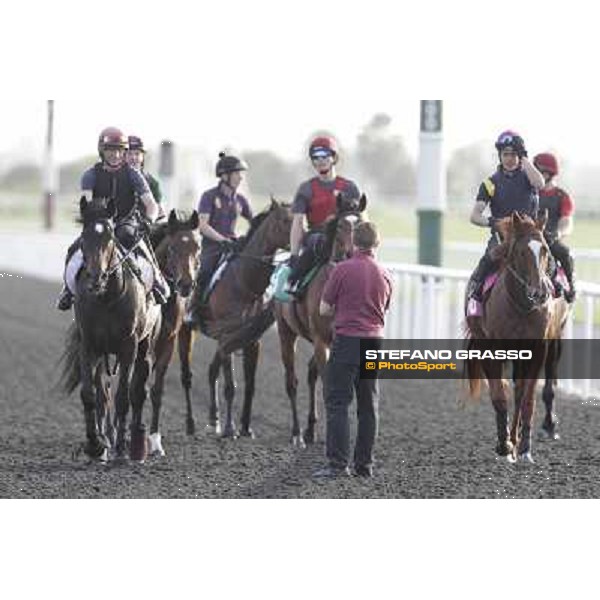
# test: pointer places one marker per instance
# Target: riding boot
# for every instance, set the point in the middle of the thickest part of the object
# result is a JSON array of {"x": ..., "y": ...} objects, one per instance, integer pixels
[
  {"x": 197, "y": 300},
  {"x": 65, "y": 299},
  {"x": 568, "y": 267},
  {"x": 300, "y": 269}
]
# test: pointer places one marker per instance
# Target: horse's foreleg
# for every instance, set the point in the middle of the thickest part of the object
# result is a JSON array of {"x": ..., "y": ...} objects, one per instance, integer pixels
[
  {"x": 126, "y": 359},
  {"x": 251, "y": 354},
  {"x": 139, "y": 395},
  {"x": 287, "y": 344},
  {"x": 95, "y": 448},
  {"x": 163, "y": 360},
  {"x": 316, "y": 369},
  {"x": 229, "y": 392},
  {"x": 213, "y": 387},
  {"x": 102, "y": 384},
  {"x": 499, "y": 397},
  {"x": 551, "y": 373},
  {"x": 185, "y": 341}
]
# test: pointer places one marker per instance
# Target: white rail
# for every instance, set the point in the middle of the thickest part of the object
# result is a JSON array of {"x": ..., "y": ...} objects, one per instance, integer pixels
[{"x": 428, "y": 302}]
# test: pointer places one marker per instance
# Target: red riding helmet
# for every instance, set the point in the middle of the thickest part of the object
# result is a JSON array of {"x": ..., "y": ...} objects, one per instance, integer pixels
[
  {"x": 323, "y": 145},
  {"x": 546, "y": 162},
  {"x": 111, "y": 137}
]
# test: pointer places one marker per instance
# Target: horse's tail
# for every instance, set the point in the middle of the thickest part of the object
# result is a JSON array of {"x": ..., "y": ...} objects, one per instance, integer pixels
[
  {"x": 70, "y": 376},
  {"x": 473, "y": 372},
  {"x": 247, "y": 330}
]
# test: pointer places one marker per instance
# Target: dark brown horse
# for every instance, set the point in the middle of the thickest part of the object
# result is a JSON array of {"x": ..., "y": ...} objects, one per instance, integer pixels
[
  {"x": 301, "y": 318},
  {"x": 113, "y": 316},
  {"x": 236, "y": 316},
  {"x": 519, "y": 313},
  {"x": 177, "y": 248}
]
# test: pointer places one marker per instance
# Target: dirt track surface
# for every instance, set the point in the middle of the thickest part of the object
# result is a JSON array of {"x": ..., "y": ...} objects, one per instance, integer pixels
[{"x": 428, "y": 445}]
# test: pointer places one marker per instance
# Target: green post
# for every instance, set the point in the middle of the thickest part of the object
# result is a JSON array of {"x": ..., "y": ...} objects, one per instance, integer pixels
[{"x": 431, "y": 184}]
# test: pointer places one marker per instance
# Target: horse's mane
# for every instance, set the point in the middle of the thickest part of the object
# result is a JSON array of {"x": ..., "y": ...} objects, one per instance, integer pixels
[{"x": 255, "y": 224}]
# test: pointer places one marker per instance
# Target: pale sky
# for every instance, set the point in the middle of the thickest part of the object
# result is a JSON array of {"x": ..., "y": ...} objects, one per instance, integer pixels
[{"x": 265, "y": 74}]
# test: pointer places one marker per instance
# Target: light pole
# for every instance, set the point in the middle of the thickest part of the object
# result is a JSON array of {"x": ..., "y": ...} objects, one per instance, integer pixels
[
  {"x": 431, "y": 183},
  {"x": 49, "y": 201},
  {"x": 166, "y": 172}
]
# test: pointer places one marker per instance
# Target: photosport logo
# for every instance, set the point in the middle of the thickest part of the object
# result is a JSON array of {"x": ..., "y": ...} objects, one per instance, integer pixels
[{"x": 447, "y": 359}]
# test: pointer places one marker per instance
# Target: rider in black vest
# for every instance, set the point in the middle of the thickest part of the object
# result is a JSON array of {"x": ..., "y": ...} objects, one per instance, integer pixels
[
  {"x": 559, "y": 207},
  {"x": 114, "y": 178},
  {"x": 512, "y": 188}
]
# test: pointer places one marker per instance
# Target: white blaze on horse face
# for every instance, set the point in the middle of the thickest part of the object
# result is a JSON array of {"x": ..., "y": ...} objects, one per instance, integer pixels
[
  {"x": 185, "y": 239},
  {"x": 99, "y": 228},
  {"x": 536, "y": 248}
]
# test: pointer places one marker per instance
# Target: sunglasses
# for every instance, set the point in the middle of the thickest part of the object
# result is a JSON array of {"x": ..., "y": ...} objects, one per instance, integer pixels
[{"x": 320, "y": 154}]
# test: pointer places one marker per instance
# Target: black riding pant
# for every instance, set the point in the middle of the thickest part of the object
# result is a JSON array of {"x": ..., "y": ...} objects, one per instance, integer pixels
[{"x": 563, "y": 254}]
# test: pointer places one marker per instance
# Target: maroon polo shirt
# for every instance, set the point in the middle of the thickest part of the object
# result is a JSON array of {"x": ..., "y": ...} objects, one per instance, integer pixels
[{"x": 360, "y": 290}]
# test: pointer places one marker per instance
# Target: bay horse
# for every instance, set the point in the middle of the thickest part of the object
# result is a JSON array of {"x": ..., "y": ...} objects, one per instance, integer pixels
[
  {"x": 301, "y": 317},
  {"x": 237, "y": 316},
  {"x": 177, "y": 247},
  {"x": 519, "y": 313},
  {"x": 114, "y": 315}
]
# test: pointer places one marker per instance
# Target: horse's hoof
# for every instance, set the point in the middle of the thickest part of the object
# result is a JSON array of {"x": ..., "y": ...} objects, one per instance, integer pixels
[
  {"x": 96, "y": 450},
  {"x": 214, "y": 429},
  {"x": 247, "y": 433},
  {"x": 155, "y": 445},
  {"x": 504, "y": 449},
  {"x": 309, "y": 436},
  {"x": 526, "y": 458},
  {"x": 191, "y": 427},
  {"x": 229, "y": 433},
  {"x": 297, "y": 442},
  {"x": 510, "y": 458}
]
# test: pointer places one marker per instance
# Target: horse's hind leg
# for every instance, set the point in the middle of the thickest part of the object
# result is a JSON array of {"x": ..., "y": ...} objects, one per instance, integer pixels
[
  {"x": 287, "y": 343},
  {"x": 251, "y": 354},
  {"x": 549, "y": 426},
  {"x": 213, "y": 390},
  {"x": 185, "y": 342},
  {"x": 229, "y": 392}
]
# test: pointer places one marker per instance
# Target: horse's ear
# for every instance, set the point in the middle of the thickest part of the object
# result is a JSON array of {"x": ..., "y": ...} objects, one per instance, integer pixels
[
  {"x": 111, "y": 208},
  {"x": 274, "y": 203},
  {"x": 172, "y": 223},
  {"x": 503, "y": 227},
  {"x": 194, "y": 220},
  {"x": 82, "y": 204},
  {"x": 339, "y": 201},
  {"x": 362, "y": 203}
]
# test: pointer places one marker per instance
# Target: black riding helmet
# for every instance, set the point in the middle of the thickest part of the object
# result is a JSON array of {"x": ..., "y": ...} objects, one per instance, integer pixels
[{"x": 230, "y": 164}]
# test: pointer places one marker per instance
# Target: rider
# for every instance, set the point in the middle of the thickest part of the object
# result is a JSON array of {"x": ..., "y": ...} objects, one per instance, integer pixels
[
  {"x": 113, "y": 178},
  {"x": 560, "y": 209},
  {"x": 315, "y": 202},
  {"x": 136, "y": 158},
  {"x": 512, "y": 188},
  {"x": 218, "y": 210}
]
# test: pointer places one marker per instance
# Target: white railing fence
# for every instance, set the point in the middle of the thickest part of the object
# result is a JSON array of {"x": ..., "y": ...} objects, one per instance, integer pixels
[{"x": 428, "y": 303}]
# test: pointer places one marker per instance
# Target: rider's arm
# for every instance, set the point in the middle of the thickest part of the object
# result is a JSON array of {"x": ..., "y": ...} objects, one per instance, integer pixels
[
  {"x": 565, "y": 226},
  {"x": 477, "y": 217},
  {"x": 326, "y": 310},
  {"x": 88, "y": 181},
  {"x": 565, "y": 223},
  {"x": 297, "y": 233},
  {"x": 535, "y": 177},
  {"x": 140, "y": 186},
  {"x": 207, "y": 231}
]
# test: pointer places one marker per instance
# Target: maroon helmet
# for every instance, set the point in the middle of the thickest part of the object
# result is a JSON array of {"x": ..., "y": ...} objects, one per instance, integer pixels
[
  {"x": 323, "y": 146},
  {"x": 546, "y": 162}
]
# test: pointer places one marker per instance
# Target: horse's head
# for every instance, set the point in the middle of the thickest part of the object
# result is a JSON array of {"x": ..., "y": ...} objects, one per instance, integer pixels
[
  {"x": 98, "y": 243},
  {"x": 339, "y": 243},
  {"x": 527, "y": 252},
  {"x": 182, "y": 252}
]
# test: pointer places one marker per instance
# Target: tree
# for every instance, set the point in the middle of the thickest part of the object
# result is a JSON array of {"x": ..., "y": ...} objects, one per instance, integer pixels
[
  {"x": 383, "y": 160},
  {"x": 467, "y": 168},
  {"x": 271, "y": 174}
]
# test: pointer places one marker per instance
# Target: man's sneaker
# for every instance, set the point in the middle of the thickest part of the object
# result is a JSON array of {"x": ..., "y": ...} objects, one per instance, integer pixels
[
  {"x": 65, "y": 300},
  {"x": 330, "y": 472}
]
